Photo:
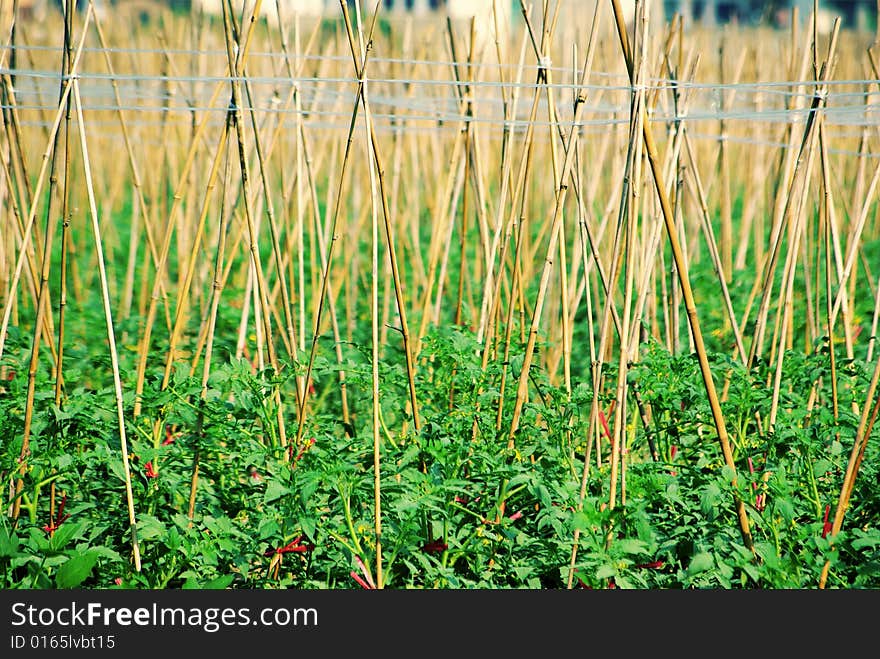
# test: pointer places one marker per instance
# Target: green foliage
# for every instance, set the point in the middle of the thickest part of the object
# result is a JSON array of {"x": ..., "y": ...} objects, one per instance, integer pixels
[{"x": 460, "y": 508}]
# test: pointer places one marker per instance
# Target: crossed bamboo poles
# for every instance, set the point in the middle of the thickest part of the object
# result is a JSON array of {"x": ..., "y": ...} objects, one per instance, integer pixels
[{"x": 812, "y": 141}]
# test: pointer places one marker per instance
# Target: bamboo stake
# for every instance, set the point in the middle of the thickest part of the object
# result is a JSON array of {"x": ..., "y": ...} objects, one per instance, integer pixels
[
  {"x": 751, "y": 224},
  {"x": 67, "y": 60},
  {"x": 273, "y": 228},
  {"x": 108, "y": 315},
  {"x": 491, "y": 288},
  {"x": 548, "y": 263},
  {"x": 361, "y": 55},
  {"x": 516, "y": 228},
  {"x": 142, "y": 206},
  {"x": 322, "y": 246},
  {"x": 687, "y": 293},
  {"x": 16, "y": 177},
  {"x": 469, "y": 138},
  {"x": 19, "y": 181},
  {"x": 334, "y": 219},
  {"x": 860, "y": 441},
  {"x": 489, "y": 306},
  {"x": 872, "y": 342},
  {"x": 157, "y": 288},
  {"x": 714, "y": 251},
  {"x": 854, "y": 242},
  {"x": 782, "y": 214},
  {"x": 237, "y": 57},
  {"x": 826, "y": 231},
  {"x": 796, "y": 231},
  {"x": 726, "y": 246},
  {"x": 216, "y": 291},
  {"x": 491, "y": 296},
  {"x": 185, "y": 286},
  {"x": 42, "y": 295}
]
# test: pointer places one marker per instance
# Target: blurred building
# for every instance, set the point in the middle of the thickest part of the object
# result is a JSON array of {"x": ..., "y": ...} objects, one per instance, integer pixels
[
  {"x": 853, "y": 13},
  {"x": 423, "y": 8},
  {"x": 857, "y": 14}
]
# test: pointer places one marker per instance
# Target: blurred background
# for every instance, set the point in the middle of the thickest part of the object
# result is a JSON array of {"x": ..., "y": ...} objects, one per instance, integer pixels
[{"x": 854, "y": 14}]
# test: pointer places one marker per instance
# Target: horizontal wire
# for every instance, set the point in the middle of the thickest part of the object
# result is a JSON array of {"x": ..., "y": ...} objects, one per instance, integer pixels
[
  {"x": 773, "y": 87},
  {"x": 439, "y": 100},
  {"x": 651, "y": 83},
  {"x": 446, "y": 110},
  {"x": 385, "y": 128},
  {"x": 135, "y": 81},
  {"x": 463, "y": 65}
]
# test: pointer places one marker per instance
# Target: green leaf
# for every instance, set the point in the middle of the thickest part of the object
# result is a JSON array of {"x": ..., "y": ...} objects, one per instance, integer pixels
[
  {"x": 182, "y": 521},
  {"x": 64, "y": 461},
  {"x": 622, "y": 581},
  {"x": 606, "y": 571},
  {"x": 308, "y": 525},
  {"x": 308, "y": 489},
  {"x": 192, "y": 582},
  {"x": 543, "y": 495},
  {"x": 268, "y": 529},
  {"x": 581, "y": 522},
  {"x": 64, "y": 534},
  {"x": 631, "y": 546},
  {"x": 115, "y": 465},
  {"x": 173, "y": 539},
  {"x": 701, "y": 563},
  {"x": 8, "y": 543},
  {"x": 869, "y": 541},
  {"x": 709, "y": 498},
  {"x": 784, "y": 508},
  {"x": 150, "y": 527},
  {"x": 519, "y": 479},
  {"x": 274, "y": 490},
  {"x": 220, "y": 583},
  {"x": 821, "y": 466},
  {"x": 76, "y": 570},
  {"x": 751, "y": 571},
  {"x": 106, "y": 552}
]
